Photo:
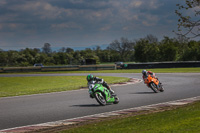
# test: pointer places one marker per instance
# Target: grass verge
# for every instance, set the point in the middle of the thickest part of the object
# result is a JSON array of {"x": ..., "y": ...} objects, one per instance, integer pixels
[
  {"x": 156, "y": 70},
  {"x": 15, "y": 86},
  {"x": 182, "y": 119}
]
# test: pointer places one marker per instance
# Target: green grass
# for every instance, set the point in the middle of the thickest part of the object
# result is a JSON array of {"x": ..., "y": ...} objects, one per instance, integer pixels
[
  {"x": 156, "y": 70},
  {"x": 15, "y": 86},
  {"x": 181, "y": 120}
]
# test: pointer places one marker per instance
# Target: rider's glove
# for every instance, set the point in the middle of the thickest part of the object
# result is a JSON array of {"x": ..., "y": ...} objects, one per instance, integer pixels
[{"x": 90, "y": 92}]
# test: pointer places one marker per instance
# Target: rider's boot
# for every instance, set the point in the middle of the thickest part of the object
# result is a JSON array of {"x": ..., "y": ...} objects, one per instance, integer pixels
[{"x": 111, "y": 91}]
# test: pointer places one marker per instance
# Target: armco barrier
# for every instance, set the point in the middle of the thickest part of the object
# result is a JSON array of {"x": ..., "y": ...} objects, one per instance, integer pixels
[
  {"x": 60, "y": 68},
  {"x": 21, "y": 69},
  {"x": 96, "y": 67},
  {"x": 163, "y": 65},
  {"x": 57, "y": 68}
]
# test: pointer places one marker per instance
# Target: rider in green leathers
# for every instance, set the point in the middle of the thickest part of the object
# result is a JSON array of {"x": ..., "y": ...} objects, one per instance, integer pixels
[{"x": 90, "y": 78}]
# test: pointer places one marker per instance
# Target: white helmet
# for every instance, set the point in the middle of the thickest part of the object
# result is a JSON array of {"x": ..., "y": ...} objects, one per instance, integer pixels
[{"x": 144, "y": 72}]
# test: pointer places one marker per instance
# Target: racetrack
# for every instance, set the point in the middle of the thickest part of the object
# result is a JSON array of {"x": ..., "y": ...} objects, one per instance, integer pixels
[{"x": 34, "y": 109}]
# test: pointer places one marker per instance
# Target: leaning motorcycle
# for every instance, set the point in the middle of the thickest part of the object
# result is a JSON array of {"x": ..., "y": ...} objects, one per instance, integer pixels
[
  {"x": 154, "y": 84},
  {"x": 102, "y": 94}
]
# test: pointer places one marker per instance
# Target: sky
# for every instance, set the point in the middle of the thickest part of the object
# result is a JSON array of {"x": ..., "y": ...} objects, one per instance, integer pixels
[{"x": 82, "y": 23}]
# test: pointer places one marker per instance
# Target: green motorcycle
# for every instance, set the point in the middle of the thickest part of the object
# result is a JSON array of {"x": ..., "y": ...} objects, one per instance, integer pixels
[{"x": 102, "y": 94}]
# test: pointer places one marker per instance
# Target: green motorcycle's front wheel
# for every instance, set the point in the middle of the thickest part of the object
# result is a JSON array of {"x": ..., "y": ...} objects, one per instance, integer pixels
[{"x": 100, "y": 98}]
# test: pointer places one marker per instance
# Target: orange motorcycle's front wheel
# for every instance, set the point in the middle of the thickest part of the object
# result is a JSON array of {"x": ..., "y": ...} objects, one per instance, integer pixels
[{"x": 154, "y": 87}]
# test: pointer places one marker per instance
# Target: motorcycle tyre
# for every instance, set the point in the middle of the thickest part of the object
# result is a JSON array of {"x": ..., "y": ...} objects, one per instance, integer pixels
[
  {"x": 161, "y": 89},
  {"x": 153, "y": 87},
  {"x": 99, "y": 99},
  {"x": 116, "y": 100}
]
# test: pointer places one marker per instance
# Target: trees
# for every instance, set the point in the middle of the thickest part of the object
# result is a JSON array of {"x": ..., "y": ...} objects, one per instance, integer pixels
[
  {"x": 3, "y": 57},
  {"x": 151, "y": 38},
  {"x": 192, "y": 52},
  {"x": 189, "y": 25},
  {"x": 168, "y": 50},
  {"x": 69, "y": 50},
  {"x": 90, "y": 54},
  {"x": 46, "y": 48},
  {"x": 124, "y": 47},
  {"x": 145, "y": 51}
]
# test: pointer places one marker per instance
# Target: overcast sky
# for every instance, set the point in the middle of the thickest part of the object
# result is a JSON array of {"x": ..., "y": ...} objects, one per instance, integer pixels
[{"x": 75, "y": 23}]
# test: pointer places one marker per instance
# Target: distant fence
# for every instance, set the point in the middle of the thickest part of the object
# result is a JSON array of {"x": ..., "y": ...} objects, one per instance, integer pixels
[
  {"x": 162, "y": 65},
  {"x": 58, "y": 68}
]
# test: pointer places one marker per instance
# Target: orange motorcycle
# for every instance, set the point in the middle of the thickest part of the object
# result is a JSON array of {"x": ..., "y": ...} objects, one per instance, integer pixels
[{"x": 154, "y": 84}]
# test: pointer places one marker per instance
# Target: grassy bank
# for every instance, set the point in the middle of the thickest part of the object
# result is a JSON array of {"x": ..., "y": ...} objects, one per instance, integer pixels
[
  {"x": 15, "y": 86},
  {"x": 181, "y": 120}
]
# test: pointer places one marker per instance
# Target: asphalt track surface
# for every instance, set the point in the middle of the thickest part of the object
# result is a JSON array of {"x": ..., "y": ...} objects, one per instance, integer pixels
[{"x": 35, "y": 109}]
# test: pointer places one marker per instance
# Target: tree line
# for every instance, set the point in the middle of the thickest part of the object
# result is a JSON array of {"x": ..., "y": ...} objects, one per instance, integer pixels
[{"x": 147, "y": 49}]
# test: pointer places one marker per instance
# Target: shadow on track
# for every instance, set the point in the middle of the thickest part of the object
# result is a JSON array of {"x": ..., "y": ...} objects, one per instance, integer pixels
[
  {"x": 87, "y": 105},
  {"x": 143, "y": 93},
  {"x": 91, "y": 105}
]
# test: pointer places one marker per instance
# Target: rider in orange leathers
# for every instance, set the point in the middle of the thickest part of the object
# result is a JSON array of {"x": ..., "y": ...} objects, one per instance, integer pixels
[{"x": 146, "y": 73}]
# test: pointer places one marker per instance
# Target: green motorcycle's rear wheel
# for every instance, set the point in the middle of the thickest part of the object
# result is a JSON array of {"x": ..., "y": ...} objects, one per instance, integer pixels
[{"x": 116, "y": 100}]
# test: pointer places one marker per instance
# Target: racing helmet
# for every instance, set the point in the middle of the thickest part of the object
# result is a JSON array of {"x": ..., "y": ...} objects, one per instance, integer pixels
[
  {"x": 144, "y": 72},
  {"x": 90, "y": 77}
]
